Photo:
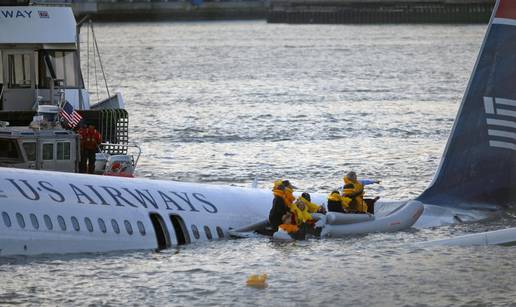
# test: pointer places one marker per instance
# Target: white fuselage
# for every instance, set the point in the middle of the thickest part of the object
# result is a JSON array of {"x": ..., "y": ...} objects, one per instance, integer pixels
[
  {"x": 52, "y": 212},
  {"x": 34, "y": 205}
]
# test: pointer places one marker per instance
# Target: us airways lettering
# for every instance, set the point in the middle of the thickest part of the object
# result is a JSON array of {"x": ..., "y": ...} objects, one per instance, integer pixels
[
  {"x": 111, "y": 196},
  {"x": 32, "y": 192},
  {"x": 15, "y": 14}
]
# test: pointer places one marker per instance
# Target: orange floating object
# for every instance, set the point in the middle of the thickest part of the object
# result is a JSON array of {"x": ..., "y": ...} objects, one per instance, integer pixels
[{"x": 257, "y": 281}]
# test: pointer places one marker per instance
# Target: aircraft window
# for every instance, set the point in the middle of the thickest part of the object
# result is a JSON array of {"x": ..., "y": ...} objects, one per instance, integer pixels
[
  {"x": 102, "y": 225},
  {"x": 220, "y": 233},
  {"x": 61, "y": 222},
  {"x": 48, "y": 151},
  {"x": 63, "y": 151},
  {"x": 9, "y": 149},
  {"x": 75, "y": 223},
  {"x": 20, "y": 219},
  {"x": 48, "y": 222},
  {"x": 141, "y": 228},
  {"x": 114, "y": 223},
  {"x": 88, "y": 223},
  {"x": 30, "y": 150},
  {"x": 7, "y": 219},
  {"x": 195, "y": 232},
  {"x": 208, "y": 232},
  {"x": 128, "y": 227},
  {"x": 34, "y": 221},
  {"x": 19, "y": 70}
]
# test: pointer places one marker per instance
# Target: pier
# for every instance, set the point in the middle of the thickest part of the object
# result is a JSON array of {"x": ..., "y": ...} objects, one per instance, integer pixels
[
  {"x": 151, "y": 10},
  {"x": 379, "y": 11},
  {"x": 287, "y": 11}
]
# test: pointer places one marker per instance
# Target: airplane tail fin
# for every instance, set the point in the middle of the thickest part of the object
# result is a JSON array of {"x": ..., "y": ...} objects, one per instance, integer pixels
[{"x": 478, "y": 167}]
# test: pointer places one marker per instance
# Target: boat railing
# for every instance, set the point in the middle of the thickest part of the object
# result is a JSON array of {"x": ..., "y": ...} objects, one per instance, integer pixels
[{"x": 106, "y": 148}]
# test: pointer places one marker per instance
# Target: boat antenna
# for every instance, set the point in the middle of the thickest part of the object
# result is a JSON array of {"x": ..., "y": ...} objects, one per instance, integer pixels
[{"x": 100, "y": 59}]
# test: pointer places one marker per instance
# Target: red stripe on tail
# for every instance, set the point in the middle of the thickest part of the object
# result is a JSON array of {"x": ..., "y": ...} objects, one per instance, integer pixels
[{"x": 506, "y": 9}]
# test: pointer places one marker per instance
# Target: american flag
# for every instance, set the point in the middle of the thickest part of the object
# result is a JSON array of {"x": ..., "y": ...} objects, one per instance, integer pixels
[
  {"x": 43, "y": 14},
  {"x": 71, "y": 117}
]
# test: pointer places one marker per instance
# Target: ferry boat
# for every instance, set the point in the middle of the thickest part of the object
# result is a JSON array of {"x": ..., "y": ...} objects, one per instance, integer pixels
[{"x": 40, "y": 70}]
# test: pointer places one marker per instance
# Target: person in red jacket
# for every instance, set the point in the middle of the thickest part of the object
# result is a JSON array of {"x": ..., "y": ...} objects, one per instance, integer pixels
[{"x": 90, "y": 140}]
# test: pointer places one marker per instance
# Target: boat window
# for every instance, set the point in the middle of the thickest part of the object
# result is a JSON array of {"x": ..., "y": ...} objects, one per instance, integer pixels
[
  {"x": 63, "y": 150},
  {"x": 102, "y": 225},
  {"x": 141, "y": 228},
  {"x": 18, "y": 66},
  {"x": 34, "y": 221},
  {"x": 9, "y": 149},
  {"x": 75, "y": 223},
  {"x": 48, "y": 151},
  {"x": 128, "y": 227},
  {"x": 64, "y": 63},
  {"x": 195, "y": 232},
  {"x": 65, "y": 67},
  {"x": 88, "y": 223},
  {"x": 21, "y": 220},
  {"x": 7, "y": 219},
  {"x": 48, "y": 222},
  {"x": 61, "y": 222},
  {"x": 116, "y": 228},
  {"x": 220, "y": 233},
  {"x": 30, "y": 150},
  {"x": 1, "y": 72},
  {"x": 208, "y": 232}
]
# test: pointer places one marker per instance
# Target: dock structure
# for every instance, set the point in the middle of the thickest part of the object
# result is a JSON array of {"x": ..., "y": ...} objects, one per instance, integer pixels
[
  {"x": 150, "y": 10},
  {"x": 285, "y": 11},
  {"x": 379, "y": 11}
]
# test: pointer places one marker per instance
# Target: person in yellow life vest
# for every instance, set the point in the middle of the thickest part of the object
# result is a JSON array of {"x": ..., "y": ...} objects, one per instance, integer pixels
[
  {"x": 354, "y": 191},
  {"x": 338, "y": 203},
  {"x": 301, "y": 212},
  {"x": 282, "y": 202},
  {"x": 312, "y": 208}
]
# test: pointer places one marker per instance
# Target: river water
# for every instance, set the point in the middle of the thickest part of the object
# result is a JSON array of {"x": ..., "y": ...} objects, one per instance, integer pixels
[{"x": 227, "y": 102}]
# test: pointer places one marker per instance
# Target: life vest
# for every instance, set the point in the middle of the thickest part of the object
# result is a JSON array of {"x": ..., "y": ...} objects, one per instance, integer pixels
[
  {"x": 354, "y": 191},
  {"x": 90, "y": 138},
  {"x": 285, "y": 194},
  {"x": 336, "y": 200},
  {"x": 301, "y": 215},
  {"x": 311, "y": 207},
  {"x": 289, "y": 228}
]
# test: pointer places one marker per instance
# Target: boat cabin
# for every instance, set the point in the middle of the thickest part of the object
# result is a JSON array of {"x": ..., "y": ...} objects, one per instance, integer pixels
[
  {"x": 43, "y": 149},
  {"x": 39, "y": 58},
  {"x": 40, "y": 70}
]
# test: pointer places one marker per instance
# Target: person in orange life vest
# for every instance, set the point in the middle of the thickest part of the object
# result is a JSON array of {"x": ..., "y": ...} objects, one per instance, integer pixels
[{"x": 90, "y": 140}]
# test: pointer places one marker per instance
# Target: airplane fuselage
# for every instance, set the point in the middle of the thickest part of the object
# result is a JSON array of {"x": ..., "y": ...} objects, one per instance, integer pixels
[{"x": 51, "y": 212}]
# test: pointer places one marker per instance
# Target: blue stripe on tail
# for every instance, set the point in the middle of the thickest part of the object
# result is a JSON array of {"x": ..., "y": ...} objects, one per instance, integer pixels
[{"x": 478, "y": 167}]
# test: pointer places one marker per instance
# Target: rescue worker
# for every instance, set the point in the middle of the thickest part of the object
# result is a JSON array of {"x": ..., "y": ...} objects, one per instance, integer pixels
[
  {"x": 338, "y": 203},
  {"x": 354, "y": 191},
  {"x": 90, "y": 140},
  {"x": 282, "y": 202}
]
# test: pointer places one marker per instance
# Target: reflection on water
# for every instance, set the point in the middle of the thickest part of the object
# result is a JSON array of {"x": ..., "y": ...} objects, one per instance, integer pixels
[{"x": 225, "y": 102}]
